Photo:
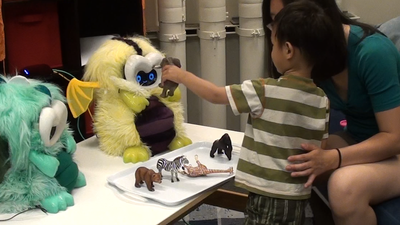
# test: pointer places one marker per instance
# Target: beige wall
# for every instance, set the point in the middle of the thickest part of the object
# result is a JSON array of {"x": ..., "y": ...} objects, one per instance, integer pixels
[
  {"x": 191, "y": 12},
  {"x": 370, "y": 11},
  {"x": 373, "y": 11}
]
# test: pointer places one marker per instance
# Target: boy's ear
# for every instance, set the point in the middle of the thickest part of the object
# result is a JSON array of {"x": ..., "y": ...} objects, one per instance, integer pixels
[{"x": 289, "y": 50}]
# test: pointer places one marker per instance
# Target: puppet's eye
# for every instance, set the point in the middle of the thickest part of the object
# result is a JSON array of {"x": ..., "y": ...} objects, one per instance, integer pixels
[
  {"x": 151, "y": 76},
  {"x": 52, "y": 122},
  {"x": 146, "y": 79}
]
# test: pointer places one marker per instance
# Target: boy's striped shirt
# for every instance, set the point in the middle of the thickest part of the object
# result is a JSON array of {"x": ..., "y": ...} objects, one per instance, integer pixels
[{"x": 283, "y": 114}]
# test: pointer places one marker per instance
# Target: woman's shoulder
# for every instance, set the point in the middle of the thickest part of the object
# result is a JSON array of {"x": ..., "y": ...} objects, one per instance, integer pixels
[
  {"x": 371, "y": 43},
  {"x": 371, "y": 48}
]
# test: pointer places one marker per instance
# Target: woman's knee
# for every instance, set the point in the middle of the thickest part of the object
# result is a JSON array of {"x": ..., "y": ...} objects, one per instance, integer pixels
[{"x": 345, "y": 192}]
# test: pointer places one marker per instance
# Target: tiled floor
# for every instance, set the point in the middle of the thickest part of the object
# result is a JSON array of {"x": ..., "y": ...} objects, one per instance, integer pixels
[{"x": 210, "y": 215}]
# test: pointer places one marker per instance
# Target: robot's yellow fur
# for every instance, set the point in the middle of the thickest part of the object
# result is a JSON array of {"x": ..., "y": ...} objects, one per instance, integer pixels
[{"x": 130, "y": 118}]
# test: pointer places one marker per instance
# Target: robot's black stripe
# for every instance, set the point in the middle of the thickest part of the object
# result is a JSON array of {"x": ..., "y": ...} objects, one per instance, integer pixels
[{"x": 131, "y": 43}]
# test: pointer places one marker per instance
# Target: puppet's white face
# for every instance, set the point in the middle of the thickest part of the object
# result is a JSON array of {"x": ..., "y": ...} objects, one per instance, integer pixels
[{"x": 145, "y": 71}]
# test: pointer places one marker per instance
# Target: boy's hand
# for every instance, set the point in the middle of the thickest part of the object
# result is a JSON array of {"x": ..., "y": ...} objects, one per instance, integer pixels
[{"x": 172, "y": 73}]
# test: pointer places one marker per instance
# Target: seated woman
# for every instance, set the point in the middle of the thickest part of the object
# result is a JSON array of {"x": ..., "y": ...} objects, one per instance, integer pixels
[{"x": 361, "y": 164}]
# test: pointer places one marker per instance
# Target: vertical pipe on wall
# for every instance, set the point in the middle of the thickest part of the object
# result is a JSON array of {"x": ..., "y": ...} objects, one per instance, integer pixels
[
  {"x": 252, "y": 43},
  {"x": 172, "y": 35},
  {"x": 212, "y": 17}
]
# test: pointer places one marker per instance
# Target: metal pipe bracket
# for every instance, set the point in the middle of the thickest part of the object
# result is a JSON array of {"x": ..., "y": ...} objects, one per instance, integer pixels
[
  {"x": 172, "y": 37},
  {"x": 214, "y": 35},
  {"x": 250, "y": 32}
]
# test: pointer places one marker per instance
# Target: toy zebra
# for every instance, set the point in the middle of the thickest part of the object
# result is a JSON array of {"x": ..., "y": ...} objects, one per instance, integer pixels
[{"x": 172, "y": 166}]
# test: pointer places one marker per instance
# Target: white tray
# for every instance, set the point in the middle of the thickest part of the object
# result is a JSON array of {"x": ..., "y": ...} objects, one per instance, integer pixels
[{"x": 175, "y": 193}]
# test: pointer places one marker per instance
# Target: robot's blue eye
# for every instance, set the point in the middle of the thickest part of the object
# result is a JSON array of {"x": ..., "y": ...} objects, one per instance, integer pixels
[
  {"x": 26, "y": 72},
  {"x": 146, "y": 79},
  {"x": 151, "y": 76}
]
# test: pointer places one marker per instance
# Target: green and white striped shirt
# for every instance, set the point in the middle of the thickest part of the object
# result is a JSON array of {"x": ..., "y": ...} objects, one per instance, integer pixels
[{"x": 283, "y": 114}]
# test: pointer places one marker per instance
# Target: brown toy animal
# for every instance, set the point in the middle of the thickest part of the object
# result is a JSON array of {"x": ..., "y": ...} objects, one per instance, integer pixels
[
  {"x": 169, "y": 86},
  {"x": 144, "y": 174}
]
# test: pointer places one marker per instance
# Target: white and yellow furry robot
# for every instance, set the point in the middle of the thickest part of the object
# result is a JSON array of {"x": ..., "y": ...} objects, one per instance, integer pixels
[{"x": 130, "y": 119}]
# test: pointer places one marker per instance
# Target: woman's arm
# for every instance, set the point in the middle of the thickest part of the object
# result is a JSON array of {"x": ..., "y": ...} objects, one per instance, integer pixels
[
  {"x": 383, "y": 145},
  {"x": 200, "y": 87},
  {"x": 376, "y": 60}
]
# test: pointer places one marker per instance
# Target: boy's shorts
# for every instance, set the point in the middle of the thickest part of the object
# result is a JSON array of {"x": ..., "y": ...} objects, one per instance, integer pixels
[{"x": 267, "y": 211}]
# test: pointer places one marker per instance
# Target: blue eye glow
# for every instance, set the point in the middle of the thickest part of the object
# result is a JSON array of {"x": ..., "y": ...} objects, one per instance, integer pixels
[
  {"x": 146, "y": 79},
  {"x": 26, "y": 72},
  {"x": 151, "y": 76}
]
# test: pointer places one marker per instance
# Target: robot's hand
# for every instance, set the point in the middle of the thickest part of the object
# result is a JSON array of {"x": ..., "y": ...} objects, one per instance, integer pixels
[
  {"x": 134, "y": 102},
  {"x": 176, "y": 97}
]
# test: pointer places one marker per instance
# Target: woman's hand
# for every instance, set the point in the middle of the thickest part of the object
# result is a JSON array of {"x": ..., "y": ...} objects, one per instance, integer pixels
[{"x": 313, "y": 163}]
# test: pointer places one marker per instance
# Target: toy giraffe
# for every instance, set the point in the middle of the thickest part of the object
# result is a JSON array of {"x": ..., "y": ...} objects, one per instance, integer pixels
[{"x": 202, "y": 170}]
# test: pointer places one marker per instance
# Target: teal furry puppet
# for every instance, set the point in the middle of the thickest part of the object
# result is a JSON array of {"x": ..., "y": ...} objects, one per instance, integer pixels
[
  {"x": 36, "y": 147},
  {"x": 131, "y": 119}
]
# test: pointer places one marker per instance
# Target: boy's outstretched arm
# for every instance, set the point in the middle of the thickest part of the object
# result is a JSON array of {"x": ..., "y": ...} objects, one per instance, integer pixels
[{"x": 200, "y": 87}]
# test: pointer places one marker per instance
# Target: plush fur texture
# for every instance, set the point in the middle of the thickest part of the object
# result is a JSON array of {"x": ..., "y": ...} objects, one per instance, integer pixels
[
  {"x": 114, "y": 122},
  {"x": 24, "y": 185}
]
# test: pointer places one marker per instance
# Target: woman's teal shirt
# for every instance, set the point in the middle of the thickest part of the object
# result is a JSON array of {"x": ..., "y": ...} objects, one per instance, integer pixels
[{"x": 373, "y": 85}]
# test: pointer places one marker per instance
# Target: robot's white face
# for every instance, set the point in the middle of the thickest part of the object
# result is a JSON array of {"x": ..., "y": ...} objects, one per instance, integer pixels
[{"x": 145, "y": 71}]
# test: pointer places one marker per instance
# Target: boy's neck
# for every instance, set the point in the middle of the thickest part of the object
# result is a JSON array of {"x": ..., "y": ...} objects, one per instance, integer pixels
[
  {"x": 305, "y": 72},
  {"x": 298, "y": 66}
]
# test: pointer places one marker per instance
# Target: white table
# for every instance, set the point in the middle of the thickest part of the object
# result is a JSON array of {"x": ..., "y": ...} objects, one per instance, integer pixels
[{"x": 99, "y": 203}]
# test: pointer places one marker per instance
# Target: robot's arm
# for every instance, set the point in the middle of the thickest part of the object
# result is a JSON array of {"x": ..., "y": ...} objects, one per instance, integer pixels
[
  {"x": 45, "y": 163},
  {"x": 133, "y": 101}
]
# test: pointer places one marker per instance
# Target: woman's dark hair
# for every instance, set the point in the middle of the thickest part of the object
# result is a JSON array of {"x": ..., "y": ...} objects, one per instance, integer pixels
[
  {"x": 306, "y": 26},
  {"x": 331, "y": 9}
]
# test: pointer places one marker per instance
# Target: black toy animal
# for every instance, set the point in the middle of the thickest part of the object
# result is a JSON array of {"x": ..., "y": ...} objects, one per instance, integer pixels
[{"x": 223, "y": 145}]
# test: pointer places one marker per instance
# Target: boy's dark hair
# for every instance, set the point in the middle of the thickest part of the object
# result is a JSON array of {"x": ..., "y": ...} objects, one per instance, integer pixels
[
  {"x": 331, "y": 9},
  {"x": 306, "y": 26}
]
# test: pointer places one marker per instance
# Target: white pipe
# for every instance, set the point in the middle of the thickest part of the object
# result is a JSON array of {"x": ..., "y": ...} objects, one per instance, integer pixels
[
  {"x": 252, "y": 43},
  {"x": 172, "y": 36},
  {"x": 212, "y": 17}
]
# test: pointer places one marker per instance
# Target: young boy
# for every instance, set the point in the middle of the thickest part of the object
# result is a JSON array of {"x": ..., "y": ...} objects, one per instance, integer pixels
[{"x": 283, "y": 113}]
